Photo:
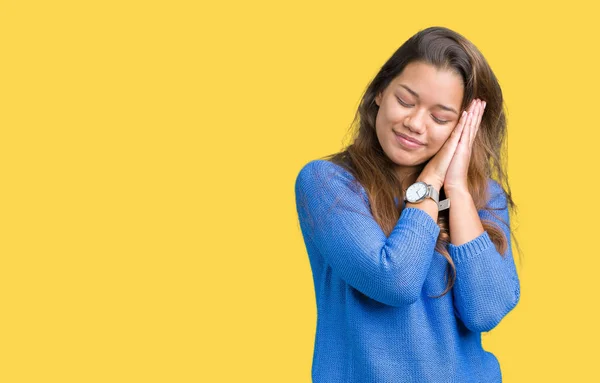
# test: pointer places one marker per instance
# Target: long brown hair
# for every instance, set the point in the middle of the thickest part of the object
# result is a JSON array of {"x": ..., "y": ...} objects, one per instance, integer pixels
[{"x": 367, "y": 162}]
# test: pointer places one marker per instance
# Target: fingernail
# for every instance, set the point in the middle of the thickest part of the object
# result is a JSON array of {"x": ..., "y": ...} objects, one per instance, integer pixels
[{"x": 484, "y": 104}]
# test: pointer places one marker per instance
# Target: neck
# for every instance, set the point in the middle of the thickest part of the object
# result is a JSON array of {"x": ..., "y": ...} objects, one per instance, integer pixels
[{"x": 408, "y": 175}]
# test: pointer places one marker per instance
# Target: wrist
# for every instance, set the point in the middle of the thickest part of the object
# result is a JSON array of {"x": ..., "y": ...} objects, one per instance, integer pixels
[
  {"x": 456, "y": 192},
  {"x": 437, "y": 185}
]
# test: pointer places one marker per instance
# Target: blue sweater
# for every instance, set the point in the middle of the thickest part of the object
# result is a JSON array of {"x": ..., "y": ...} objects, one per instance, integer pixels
[{"x": 376, "y": 320}]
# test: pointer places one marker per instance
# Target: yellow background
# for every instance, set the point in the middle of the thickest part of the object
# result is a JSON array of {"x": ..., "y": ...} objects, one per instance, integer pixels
[{"x": 148, "y": 154}]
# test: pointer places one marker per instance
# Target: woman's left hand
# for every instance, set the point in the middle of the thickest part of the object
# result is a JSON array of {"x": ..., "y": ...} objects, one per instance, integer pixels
[{"x": 456, "y": 175}]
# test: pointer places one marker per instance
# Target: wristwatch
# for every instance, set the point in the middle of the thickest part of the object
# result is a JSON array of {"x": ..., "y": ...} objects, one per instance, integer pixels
[{"x": 418, "y": 191}]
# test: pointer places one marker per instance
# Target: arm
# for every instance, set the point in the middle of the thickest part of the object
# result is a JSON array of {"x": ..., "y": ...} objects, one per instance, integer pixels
[
  {"x": 335, "y": 217},
  {"x": 487, "y": 285}
]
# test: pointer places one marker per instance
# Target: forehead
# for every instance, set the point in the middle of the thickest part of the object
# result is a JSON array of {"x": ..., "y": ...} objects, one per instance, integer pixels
[{"x": 431, "y": 84}]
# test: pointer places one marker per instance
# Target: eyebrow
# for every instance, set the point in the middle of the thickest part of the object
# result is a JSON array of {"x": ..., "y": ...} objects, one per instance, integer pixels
[{"x": 417, "y": 96}]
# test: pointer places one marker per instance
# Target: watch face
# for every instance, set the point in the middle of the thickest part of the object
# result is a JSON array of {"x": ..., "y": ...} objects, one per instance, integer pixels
[{"x": 416, "y": 192}]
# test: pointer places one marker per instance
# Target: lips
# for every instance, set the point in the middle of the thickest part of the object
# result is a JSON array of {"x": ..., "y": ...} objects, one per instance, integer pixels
[{"x": 412, "y": 140}]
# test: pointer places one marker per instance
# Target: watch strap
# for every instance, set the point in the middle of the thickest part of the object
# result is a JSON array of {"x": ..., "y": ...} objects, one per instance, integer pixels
[
  {"x": 443, "y": 205},
  {"x": 433, "y": 194}
]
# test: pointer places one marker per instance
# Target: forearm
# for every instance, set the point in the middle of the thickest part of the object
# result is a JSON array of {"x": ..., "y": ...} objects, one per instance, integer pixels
[
  {"x": 465, "y": 224},
  {"x": 487, "y": 286},
  {"x": 337, "y": 224}
]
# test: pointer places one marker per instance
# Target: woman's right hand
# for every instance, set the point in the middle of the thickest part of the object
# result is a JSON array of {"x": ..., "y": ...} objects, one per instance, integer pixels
[{"x": 434, "y": 172}]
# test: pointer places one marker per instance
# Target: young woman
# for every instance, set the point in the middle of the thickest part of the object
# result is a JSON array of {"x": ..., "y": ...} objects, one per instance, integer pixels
[{"x": 407, "y": 234}]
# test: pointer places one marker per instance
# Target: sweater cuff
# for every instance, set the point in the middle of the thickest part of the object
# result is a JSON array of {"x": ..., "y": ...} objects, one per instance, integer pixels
[
  {"x": 421, "y": 220},
  {"x": 470, "y": 249}
]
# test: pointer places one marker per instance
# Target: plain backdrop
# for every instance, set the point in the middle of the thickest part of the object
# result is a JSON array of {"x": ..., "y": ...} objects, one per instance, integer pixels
[{"x": 148, "y": 153}]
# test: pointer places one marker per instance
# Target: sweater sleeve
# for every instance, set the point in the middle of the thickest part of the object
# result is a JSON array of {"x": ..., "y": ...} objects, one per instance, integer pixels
[
  {"x": 487, "y": 285},
  {"x": 336, "y": 218}
]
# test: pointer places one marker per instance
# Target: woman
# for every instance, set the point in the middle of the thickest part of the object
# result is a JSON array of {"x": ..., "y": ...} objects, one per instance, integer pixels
[{"x": 408, "y": 235}]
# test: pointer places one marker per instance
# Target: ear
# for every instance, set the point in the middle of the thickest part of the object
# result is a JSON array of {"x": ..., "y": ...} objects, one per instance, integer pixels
[{"x": 378, "y": 99}]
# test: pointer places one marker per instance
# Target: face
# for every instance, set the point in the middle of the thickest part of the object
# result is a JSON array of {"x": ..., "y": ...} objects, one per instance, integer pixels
[{"x": 423, "y": 104}]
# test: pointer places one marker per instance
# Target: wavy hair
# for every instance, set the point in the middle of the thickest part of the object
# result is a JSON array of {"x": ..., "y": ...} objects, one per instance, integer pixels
[{"x": 365, "y": 159}]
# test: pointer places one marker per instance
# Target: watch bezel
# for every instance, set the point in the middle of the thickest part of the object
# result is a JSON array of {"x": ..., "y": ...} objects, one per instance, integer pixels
[{"x": 414, "y": 186}]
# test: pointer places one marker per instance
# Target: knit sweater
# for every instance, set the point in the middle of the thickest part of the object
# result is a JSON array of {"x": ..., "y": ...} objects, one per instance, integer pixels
[{"x": 376, "y": 319}]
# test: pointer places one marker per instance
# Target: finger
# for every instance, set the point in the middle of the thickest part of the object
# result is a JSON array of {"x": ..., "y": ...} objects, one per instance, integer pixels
[
  {"x": 452, "y": 142},
  {"x": 459, "y": 129},
  {"x": 474, "y": 121},
  {"x": 462, "y": 145},
  {"x": 472, "y": 105},
  {"x": 467, "y": 129},
  {"x": 478, "y": 121},
  {"x": 463, "y": 136}
]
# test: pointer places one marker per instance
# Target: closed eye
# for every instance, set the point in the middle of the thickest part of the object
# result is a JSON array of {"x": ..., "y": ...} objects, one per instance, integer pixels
[
  {"x": 403, "y": 103},
  {"x": 439, "y": 121},
  {"x": 434, "y": 118}
]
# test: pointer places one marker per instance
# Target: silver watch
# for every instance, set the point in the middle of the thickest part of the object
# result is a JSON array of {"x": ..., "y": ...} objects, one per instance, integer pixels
[{"x": 418, "y": 191}]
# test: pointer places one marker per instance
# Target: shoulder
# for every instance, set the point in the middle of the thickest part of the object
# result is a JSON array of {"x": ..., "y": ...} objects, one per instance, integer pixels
[
  {"x": 322, "y": 170},
  {"x": 327, "y": 177},
  {"x": 496, "y": 195},
  {"x": 494, "y": 187}
]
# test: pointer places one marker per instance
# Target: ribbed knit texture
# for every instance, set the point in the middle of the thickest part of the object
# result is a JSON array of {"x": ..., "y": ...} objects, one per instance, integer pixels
[{"x": 376, "y": 320}]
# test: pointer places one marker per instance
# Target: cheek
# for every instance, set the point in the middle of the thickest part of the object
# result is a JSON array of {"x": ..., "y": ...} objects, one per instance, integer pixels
[
  {"x": 395, "y": 114},
  {"x": 385, "y": 118},
  {"x": 379, "y": 118},
  {"x": 441, "y": 138}
]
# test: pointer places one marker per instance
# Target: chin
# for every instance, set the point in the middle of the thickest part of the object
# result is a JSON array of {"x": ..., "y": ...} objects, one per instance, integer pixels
[{"x": 403, "y": 158}]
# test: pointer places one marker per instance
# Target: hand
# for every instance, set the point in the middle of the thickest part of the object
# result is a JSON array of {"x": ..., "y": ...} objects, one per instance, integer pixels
[
  {"x": 434, "y": 172},
  {"x": 456, "y": 175}
]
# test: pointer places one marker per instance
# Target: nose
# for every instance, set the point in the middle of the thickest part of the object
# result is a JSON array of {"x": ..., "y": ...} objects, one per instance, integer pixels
[{"x": 415, "y": 121}]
